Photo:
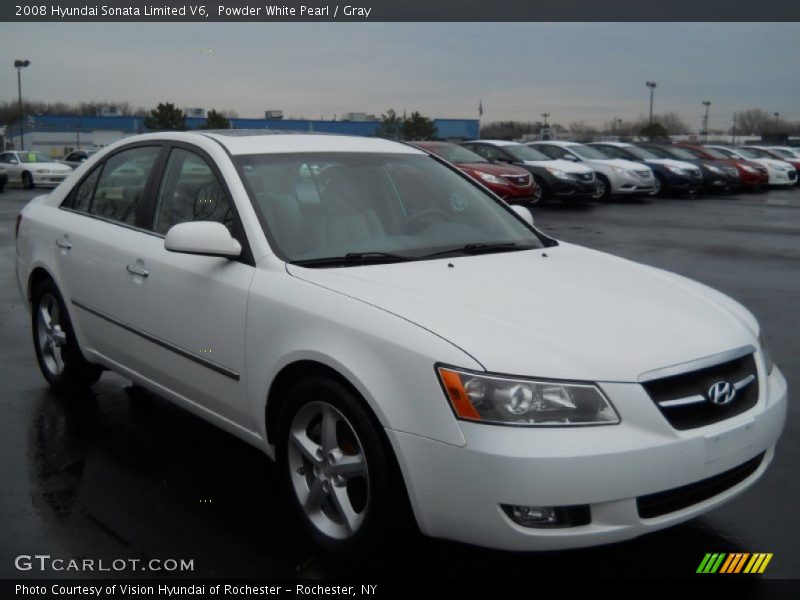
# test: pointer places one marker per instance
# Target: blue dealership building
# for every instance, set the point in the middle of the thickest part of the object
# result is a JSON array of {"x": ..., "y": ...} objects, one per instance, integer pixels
[{"x": 56, "y": 135}]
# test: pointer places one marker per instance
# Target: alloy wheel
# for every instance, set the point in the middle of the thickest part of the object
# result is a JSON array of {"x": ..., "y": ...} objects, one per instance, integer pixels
[
  {"x": 51, "y": 337},
  {"x": 328, "y": 470}
]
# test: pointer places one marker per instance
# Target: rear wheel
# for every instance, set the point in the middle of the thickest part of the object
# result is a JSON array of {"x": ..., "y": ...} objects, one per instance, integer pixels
[
  {"x": 342, "y": 481},
  {"x": 57, "y": 352},
  {"x": 27, "y": 181}
]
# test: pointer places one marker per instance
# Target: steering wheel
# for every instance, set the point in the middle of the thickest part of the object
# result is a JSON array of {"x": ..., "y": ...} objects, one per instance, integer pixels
[{"x": 417, "y": 217}]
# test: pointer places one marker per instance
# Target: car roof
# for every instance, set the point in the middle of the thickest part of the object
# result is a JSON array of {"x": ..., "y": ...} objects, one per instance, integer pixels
[
  {"x": 269, "y": 141},
  {"x": 617, "y": 144},
  {"x": 556, "y": 143},
  {"x": 495, "y": 142}
]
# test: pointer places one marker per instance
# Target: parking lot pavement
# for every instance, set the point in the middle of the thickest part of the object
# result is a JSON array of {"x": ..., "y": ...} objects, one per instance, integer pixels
[{"x": 122, "y": 473}]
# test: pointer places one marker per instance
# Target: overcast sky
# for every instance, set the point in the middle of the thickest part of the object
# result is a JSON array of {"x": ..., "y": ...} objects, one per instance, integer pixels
[{"x": 593, "y": 71}]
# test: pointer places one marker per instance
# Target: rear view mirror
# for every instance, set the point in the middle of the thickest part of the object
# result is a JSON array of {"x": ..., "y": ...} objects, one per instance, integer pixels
[
  {"x": 207, "y": 238},
  {"x": 524, "y": 213}
]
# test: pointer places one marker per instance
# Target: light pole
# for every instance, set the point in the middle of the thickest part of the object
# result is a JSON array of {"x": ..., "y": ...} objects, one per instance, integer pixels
[
  {"x": 652, "y": 86},
  {"x": 777, "y": 122},
  {"x": 19, "y": 65},
  {"x": 544, "y": 116},
  {"x": 706, "y": 103}
]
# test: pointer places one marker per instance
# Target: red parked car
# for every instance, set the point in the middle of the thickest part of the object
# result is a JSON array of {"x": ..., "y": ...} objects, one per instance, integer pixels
[
  {"x": 751, "y": 175},
  {"x": 512, "y": 184}
]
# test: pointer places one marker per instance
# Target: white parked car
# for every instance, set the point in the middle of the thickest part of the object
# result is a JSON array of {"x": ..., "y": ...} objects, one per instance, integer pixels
[
  {"x": 392, "y": 333},
  {"x": 615, "y": 176},
  {"x": 780, "y": 172},
  {"x": 32, "y": 168}
]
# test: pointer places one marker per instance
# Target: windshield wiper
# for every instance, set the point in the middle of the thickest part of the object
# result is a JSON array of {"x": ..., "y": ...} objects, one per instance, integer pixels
[
  {"x": 481, "y": 248},
  {"x": 353, "y": 258}
]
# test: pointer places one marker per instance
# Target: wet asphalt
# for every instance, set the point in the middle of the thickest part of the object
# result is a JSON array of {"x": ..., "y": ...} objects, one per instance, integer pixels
[{"x": 123, "y": 473}]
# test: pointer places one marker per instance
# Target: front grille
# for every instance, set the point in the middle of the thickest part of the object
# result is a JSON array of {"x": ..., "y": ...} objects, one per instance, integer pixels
[
  {"x": 645, "y": 174},
  {"x": 518, "y": 180},
  {"x": 662, "y": 503},
  {"x": 683, "y": 399},
  {"x": 585, "y": 176},
  {"x": 792, "y": 174}
]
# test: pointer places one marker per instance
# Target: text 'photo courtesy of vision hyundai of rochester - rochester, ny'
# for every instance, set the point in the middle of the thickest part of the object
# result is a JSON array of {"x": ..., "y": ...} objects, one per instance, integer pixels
[{"x": 399, "y": 338}]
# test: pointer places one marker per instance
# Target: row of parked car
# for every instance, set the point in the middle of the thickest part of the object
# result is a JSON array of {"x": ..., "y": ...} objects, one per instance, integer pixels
[{"x": 538, "y": 171}]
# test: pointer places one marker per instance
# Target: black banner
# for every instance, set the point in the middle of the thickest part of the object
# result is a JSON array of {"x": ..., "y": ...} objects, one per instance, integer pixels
[{"x": 401, "y": 10}]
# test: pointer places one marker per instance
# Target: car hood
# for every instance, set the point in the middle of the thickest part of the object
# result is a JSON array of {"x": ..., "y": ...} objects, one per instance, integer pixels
[
  {"x": 564, "y": 165},
  {"x": 671, "y": 162},
  {"x": 563, "y": 312},
  {"x": 619, "y": 162},
  {"x": 496, "y": 169},
  {"x": 771, "y": 163}
]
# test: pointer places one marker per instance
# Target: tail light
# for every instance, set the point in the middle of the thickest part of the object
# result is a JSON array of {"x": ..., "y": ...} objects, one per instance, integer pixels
[{"x": 16, "y": 227}]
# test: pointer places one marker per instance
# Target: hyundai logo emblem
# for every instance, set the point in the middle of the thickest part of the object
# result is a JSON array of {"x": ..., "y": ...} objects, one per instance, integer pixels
[{"x": 721, "y": 393}]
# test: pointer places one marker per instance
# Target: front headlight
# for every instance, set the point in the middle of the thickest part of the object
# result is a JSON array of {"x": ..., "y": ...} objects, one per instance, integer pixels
[
  {"x": 559, "y": 173},
  {"x": 489, "y": 178},
  {"x": 621, "y": 171},
  {"x": 506, "y": 400},
  {"x": 678, "y": 171},
  {"x": 768, "y": 361},
  {"x": 749, "y": 169},
  {"x": 42, "y": 170},
  {"x": 715, "y": 169}
]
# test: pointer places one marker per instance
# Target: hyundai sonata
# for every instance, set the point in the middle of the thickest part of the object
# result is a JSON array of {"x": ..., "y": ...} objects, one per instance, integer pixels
[{"x": 395, "y": 335}]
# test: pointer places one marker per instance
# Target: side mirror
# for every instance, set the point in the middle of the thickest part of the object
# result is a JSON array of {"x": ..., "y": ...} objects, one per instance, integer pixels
[
  {"x": 524, "y": 213},
  {"x": 207, "y": 238}
]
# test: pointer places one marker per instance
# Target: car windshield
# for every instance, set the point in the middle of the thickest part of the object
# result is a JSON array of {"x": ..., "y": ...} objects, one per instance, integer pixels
[
  {"x": 640, "y": 153},
  {"x": 680, "y": 153},
  {"x": 588, "y": 152},
  {"x": 782, "y": 152},
  {"x": 524, "y": 153},
  {"x": 712, "y": 152},
  {"x": 660, "y": 152},
  {"x": 456, "y": 154},
  {"x": 33, "y": 157},
  {"x": 722, "y": 152},
  {"x": 369, "y": 205},
  {"x": 755, "y": 153}
]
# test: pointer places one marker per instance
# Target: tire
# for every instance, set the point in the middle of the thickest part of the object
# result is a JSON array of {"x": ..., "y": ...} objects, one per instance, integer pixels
[
  {"x": 367, "y": 488},
  {"x": 57, "y": 352},
  {"x": 27, "y": 181},
  {"x": 541, "y": 194},
  {"x": 658, "y": 190},
  {"x": 603, "y": 189}
]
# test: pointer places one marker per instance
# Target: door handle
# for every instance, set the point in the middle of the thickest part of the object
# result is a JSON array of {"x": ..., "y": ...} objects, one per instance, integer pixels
[
  {"x": 63, "y": 244},
  {"x": 139, "y": 270}
]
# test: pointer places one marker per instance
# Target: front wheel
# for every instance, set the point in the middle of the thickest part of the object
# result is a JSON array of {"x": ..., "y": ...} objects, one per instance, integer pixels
[
  {"x": 57, "y": 352},
  {"x": 658, "y": 188},
  {"x": 602, "y": 190},
  {"x": 539, "y": 192},
  {"x": 342, "y": 481}
]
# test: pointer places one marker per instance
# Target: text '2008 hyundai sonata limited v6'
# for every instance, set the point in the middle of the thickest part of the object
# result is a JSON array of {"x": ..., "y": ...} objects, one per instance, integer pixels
[{"x": 393, "y": 334}]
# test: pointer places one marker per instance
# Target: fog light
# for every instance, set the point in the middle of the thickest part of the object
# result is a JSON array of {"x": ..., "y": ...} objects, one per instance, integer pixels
[{"x": 548, "y": 516}]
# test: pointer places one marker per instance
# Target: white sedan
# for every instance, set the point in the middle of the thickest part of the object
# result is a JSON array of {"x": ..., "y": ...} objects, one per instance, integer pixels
[
  {"x": 395, "y": 335},
  {"x": 780, "y": 172},
  {"x": 31, "y": 168}
]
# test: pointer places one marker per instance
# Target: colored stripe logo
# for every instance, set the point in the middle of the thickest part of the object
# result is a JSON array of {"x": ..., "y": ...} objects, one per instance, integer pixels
[{"x": 734, "y": 562}]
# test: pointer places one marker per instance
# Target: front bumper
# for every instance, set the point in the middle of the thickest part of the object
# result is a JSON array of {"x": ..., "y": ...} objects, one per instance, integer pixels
[
  {"x": 782, "y": 178},
  {"x": 457, "y": 492},
  {"x": 48, "y": 179},
  {"x": 632, "y": 184},
  {"x": 578, "y": 190}
]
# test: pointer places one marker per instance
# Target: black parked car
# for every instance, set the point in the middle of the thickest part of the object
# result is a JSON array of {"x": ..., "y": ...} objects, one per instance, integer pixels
[
  {"x": 716, "y": 174},
  {"x": 560, "y": 179},
  {"x": 672, "y": 176}
]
